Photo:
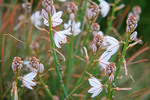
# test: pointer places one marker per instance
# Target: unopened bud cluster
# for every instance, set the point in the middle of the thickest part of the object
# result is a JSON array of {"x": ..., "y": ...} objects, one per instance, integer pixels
[
  {"x": 98, "y": 40},
  {"x": 110, "y": 70},
  {"x": 48, "y": 5},
  {"x": 72, "y": 9},
  {"x": 95, "y": 27},
  {"x": 16, "y": 64},
  {"x": 35, "y": 65},
  {"x": 93, "y": 12},
  {"x": 131, "y": 24}
]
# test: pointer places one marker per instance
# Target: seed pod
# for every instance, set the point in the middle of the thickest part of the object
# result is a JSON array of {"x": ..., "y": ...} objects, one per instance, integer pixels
[{"x": 133, "y": 36}]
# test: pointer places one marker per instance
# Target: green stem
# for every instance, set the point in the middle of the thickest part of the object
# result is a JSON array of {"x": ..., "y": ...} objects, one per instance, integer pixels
[
  {"x": 122, "y": 56},
  {"x": 16, "y": 80},
  {"x": 109, "y": 92},
  {"x": 55, "y": 56},
  {"x": 82, "y": 25},
  {"x": 45, "y": 87},
  {"x": 70, "y": 62},
  {"x": 83, "y": 74},
  {"x": 111, "y": 18}
]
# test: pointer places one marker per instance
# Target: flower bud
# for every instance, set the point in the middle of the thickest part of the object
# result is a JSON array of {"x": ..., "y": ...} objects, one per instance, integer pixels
[
  {"x": 137, "y": 10},
  {"x": 34, "y": 62},
  {"x": 131, "y": 24},
  {"x": 34, "y": 45},
  {"x": 93, "y": 12},
  {"x": 72, "y": 17},
  {"x": 41, "y": 68},
  {"x": 94, "y": 48},
  {"x": 98, "y": 40},
  {"x": 111, "y": 77},
  {"x": 133, "y": 36},
  {"x": 27, "y": 6},
  {"x": 72, "y": 8},
  {"x": 111, "y": 68},
  {"x": 16, "y": 64},
  {"x": 95, "y": 27},
  {"x": 48, "y": 5}
]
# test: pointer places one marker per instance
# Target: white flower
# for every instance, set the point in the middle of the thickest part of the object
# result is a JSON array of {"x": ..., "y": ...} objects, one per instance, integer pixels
[
  {"x": 36, "y": 18},
  {"x": 27, "y": 80},
  {"x": 112, "y": 45},
  {"x": 105, "y": 7},
  {"x": 55, "y": 18},
  {"x": 96, "y": 87},
  {"x": 60, "y": 37},
  {"x": 75, "y": 27}
]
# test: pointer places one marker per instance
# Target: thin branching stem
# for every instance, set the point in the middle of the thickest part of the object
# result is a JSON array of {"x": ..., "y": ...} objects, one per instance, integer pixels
[
  {"x": 45, "y": 87},
  {"x": 55, "y": 56}
]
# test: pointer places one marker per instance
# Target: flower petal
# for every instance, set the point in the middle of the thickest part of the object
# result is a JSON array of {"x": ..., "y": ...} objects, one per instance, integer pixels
[{"x": 56, "y": 20}]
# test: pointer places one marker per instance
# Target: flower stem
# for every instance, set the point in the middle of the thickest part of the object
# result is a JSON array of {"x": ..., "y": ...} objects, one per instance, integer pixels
[
  {"x": 70, "y": 62},
  {"x": 111, "y": 18},
  {"x": 122, "y": 56},
  {"x": 109, "y": 92},
  {"x": 83, "y": 74},
  {"x": 45, "y": 87},
  {"x": 55, "y": 56}
]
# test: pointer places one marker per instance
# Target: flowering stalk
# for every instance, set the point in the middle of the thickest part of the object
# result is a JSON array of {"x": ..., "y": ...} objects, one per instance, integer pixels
[
  {"x": 70, "y": 62},
  {"x": 55, "y": 56},
  {"x": 112, "y": 17},
  {"x": 119, "y": 65},
  {"x": 45, "y": 87}
]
